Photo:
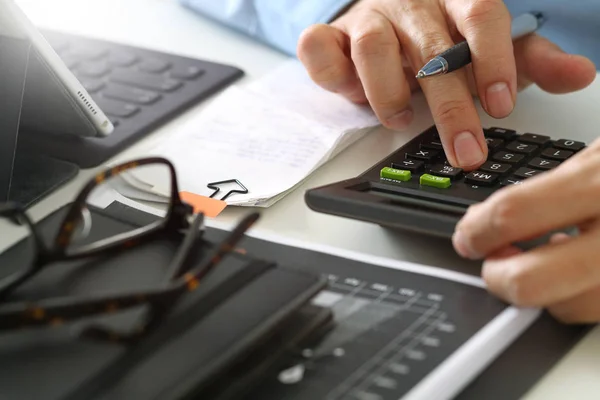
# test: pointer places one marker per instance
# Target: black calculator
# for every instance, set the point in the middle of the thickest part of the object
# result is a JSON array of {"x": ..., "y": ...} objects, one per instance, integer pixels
[{"x": 416, "y": 188}]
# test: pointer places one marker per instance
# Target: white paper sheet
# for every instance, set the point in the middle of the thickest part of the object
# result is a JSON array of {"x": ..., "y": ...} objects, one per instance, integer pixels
[{"x": 270, "y": 136}]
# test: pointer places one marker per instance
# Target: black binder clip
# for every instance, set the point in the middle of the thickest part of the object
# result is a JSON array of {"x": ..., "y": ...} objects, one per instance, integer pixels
[{"x": 215, "y": 187}]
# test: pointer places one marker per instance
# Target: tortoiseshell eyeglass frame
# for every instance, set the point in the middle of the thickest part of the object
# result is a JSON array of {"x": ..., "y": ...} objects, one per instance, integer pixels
[
  {"x": 176, "y": 218},
  {"x": 181, "y": 279}
]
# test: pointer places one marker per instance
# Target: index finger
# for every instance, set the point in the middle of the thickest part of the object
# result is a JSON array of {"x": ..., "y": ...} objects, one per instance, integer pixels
[
  {"x": 425, "y": 34},
  {"x": 486, "y": 25}
]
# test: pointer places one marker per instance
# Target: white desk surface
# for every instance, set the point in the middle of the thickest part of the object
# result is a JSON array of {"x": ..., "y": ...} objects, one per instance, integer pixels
[{"x": 166, "y": 26}]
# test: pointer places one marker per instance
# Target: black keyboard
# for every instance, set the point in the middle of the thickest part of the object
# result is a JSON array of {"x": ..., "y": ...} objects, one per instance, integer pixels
[
  {"x": 138, "y": 89},
  {"x": 417, "y": 189}
]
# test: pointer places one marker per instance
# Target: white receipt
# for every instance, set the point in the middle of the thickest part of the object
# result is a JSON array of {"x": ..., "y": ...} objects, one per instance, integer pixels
[{"x": 269, "y": 135}]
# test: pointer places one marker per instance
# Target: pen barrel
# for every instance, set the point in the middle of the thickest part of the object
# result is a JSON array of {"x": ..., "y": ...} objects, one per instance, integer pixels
[{"x": 457, "y": 56}]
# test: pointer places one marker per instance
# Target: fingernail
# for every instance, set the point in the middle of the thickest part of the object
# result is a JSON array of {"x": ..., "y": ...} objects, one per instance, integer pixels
[
  {"x": 467, "y": 150},
  {"x": 499, "y": 100},
  {"x": 401, "y": 120},
  {"x": 462, "y": 247}
]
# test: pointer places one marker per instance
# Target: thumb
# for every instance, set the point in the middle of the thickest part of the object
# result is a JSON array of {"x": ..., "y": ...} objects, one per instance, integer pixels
[{"x": 542, "y": 62}]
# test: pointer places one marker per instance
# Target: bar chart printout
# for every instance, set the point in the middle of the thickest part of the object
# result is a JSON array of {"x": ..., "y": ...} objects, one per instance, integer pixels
[{"x": 388, "y": 336}]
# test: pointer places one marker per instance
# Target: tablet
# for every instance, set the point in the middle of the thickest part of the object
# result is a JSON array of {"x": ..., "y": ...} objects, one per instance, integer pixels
[{"x": 54, "y": 99}]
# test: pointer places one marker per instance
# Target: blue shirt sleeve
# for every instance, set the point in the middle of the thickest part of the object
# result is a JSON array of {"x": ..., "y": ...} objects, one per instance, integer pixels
[
  {"x": 278, "y": 23},
  {"x": 572, "y": 25}
]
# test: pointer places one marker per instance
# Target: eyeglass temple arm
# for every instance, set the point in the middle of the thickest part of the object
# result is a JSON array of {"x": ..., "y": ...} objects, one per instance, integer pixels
[
  {"x": 11, "y": 282},
  {"x": 158, "y": 309},
  {"x": 227, "y": 245},
  {"x": 182, "y": 258},
  {"x": 58, "y": 311}
]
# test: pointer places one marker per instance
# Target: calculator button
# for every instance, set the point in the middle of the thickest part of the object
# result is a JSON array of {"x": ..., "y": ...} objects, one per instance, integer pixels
[
  {"x": 433, "y": 145},
  {"x": 426, "y": 155},
  {"x": 495, "y": 167},
  {"x": 511, "y": 158},
  {"x": 557, "y": 154},
  {"x": 572, "y": 145},
  {"x": 527, "y": 172},
  {"x": 493, "y": 143},
  {"x": 541, "y": 163},
  {"x": 395, "y": 174},
  {"x": 511, "y": 181},
  {"x": 500, "y": 133},
  {"x": 446, "y": 171},
  {"x": 409, "y": 165},
  {"x": 519, "y": 147},
  {"x": 435, "y": 181},
  {"x": 481, "y": 178},
  {"x": 540, "y": 140}
]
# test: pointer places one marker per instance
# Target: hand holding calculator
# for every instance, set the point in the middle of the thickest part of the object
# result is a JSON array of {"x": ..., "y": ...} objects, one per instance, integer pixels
[
  {"x": 531, "y": 189},
  {"x": 416, "y": 188}
]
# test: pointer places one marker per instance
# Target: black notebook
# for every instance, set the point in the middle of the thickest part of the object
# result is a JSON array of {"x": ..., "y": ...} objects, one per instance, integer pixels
[{"x": 379, "y": 329}]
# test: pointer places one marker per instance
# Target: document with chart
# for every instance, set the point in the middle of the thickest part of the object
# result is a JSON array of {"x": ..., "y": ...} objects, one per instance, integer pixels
[{"x": 403, "y": 331}]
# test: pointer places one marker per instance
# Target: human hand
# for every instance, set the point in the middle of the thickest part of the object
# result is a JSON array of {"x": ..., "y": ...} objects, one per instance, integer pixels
[
  {"x": 562, "y": 276},
  {"x": 371, "y": 53}
]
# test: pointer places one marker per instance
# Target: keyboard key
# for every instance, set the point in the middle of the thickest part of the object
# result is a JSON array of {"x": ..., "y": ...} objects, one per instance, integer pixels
[
  {"x": 511, "y": 158},
  {"x": 493, "y": 143},
  {"x": 116, "y": 108},
  {"x": 511, "y": 181},
  {"x": 500, "y": 133},
  {"x": 446, "y": 171},
  {"x": 557, "y": 154},
  {"x": 92, "y": 86},
  {"x": 94, "y": 70},
  {"x": 70, "y": 61},
  {"x": 481, "y": 178},
  {"x": 395, "y": 174},
  {"x": 571, "y": 145},
  {"x": 519, "y": 147},
  {"x": 154, "y": 66},
  {"x": 527, "y": 172},
  {"x": 498, "y": 168},
  {"x": 88, "y": 54},
  {"x": 435, "y": 181},
  {"x": 409, "y": 165},
  {"x": 539, "y": 140},
  {"x": 130, "y": 94},
  {"x": 121, "y": 59},
  {"x": 186, "y": 72},
  {"x": 145, "y": 81},
  {"x": 426, "y": 155},
  {"x": 59, "y": 45},
  {"x": 541, "y": 163}
]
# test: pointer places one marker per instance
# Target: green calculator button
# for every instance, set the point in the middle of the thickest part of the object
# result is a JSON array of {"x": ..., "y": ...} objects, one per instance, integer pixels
[
  {"x": 395, "y": 174},
  {"x": 434, "y": 181}
]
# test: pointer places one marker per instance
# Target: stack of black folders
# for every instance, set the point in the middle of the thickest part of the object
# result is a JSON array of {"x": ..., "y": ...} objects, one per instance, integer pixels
[{"x": 101, "y": 304}]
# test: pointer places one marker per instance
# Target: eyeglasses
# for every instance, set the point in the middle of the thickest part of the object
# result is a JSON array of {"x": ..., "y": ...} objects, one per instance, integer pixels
[{"x": 75, "y": 239}]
